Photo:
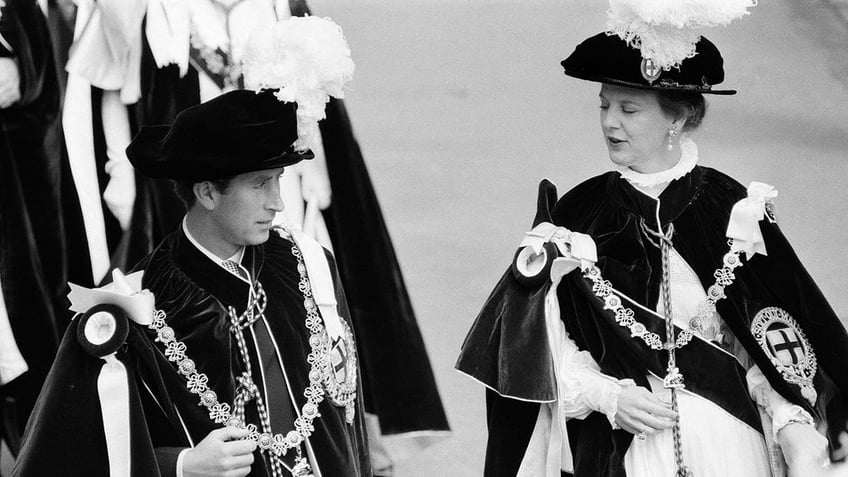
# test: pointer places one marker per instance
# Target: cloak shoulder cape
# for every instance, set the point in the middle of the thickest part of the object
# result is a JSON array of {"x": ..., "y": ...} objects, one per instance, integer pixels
[
  {"x": 507, "y": 350},
  {"x": 164, "y": 415}
]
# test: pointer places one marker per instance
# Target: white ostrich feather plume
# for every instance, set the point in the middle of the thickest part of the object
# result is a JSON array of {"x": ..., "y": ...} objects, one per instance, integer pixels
[
  {"x": 307, "y": 60},
  {"x": 666, "y": 31}
]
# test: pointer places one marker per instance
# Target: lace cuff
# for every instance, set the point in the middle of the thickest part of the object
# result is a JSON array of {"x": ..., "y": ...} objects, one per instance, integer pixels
[
  {"x": 609, "y": 403},
  {"x": 787, "y": 414},
  {"x": 585, "y": 389}
]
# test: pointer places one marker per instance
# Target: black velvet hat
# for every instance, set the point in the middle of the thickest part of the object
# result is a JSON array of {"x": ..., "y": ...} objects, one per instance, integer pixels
[
  {"x": 608, "y": 59},
  {"x": 237, "y": 132}
]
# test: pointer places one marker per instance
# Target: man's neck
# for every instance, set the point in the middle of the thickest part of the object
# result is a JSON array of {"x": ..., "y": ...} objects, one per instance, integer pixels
[{"x": 206, "y": 233}]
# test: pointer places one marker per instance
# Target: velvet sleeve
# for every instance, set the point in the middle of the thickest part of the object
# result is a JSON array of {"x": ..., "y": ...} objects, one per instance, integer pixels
[
  {"x": 24, "y": 29},
  {"x": 784, "y": 275},
  {"x": 167, "y": 458}
]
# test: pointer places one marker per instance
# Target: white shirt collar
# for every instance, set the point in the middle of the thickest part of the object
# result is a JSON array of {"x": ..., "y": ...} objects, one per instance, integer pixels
[
  {"x": 218, "y": 260},
  {"x": 658, "y": 180}
]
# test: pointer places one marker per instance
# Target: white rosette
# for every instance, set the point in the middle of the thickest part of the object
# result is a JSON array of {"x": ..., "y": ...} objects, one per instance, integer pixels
[
  {"x": 103, "y": 328},
  {"x": 666, "y": 31},
  {"x": 744, "y": 224},
  {"x": 307, "y": 60}
]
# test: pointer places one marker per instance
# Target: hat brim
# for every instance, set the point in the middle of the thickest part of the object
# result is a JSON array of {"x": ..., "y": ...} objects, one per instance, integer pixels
[
  {"x": 654, "y": 87},
  {"x": 146, "y": 153}
]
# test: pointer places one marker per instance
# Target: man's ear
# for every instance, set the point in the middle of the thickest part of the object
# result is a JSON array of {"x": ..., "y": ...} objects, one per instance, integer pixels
[{"x": 205, "y": 194}]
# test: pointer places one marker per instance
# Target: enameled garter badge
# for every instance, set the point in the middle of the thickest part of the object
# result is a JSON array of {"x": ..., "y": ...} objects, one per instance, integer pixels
[{"x": 783, "y": 340}]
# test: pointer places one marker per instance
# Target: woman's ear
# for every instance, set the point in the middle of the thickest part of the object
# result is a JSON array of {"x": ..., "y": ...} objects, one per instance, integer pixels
[
  {"x": 684, "y": 118},
  {"x": 206, "y": 194}
]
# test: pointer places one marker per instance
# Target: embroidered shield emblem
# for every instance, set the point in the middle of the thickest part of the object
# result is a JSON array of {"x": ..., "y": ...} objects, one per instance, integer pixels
[
  {"x": 785, "y": 343},
  {"x": 340, "y": 372},
  {"x": 338, "y": 360}
]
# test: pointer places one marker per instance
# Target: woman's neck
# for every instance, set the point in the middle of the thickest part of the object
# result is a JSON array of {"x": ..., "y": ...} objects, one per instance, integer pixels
[{"x": 664, "y": 161}]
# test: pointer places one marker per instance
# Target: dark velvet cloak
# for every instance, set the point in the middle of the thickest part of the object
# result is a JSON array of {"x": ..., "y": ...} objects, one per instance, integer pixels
[
  {"x": 397, "y": 378},
  {"x": 40, "y": 221},
  {"x": 399, "y": 384},
  {"x": 193, "y": 292},
  {"x": 507, "y": 349}
]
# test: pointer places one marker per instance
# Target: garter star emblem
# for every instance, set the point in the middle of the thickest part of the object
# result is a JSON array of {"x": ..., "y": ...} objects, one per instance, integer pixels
[
  {"x": 650, "y": 70},
  {"x": 782, "y": 339}
]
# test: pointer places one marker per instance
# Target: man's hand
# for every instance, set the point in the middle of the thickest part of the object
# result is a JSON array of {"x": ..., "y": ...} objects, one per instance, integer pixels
[
  {"x": 220, "y": 454},
  {"x": 10, "y": 82},
  {"x": 640, "y": 411}
]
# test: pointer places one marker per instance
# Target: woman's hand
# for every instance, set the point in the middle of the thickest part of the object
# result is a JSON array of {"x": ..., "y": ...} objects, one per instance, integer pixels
[
  {"x": 640, "y": 411},
  {"x": 804, "y": 449},
  {"x": 221, "y": 453}
]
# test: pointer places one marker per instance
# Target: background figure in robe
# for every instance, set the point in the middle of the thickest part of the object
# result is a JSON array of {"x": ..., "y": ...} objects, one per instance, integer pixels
[
  {"x": 188, "y": 52},
  {"x": 40, "y": 222}
]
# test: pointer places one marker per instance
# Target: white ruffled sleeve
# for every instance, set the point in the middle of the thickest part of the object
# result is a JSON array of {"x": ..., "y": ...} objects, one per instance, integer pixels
[
  {"x": 585, "y": 388},
  {"x": 782, "y": 412}
]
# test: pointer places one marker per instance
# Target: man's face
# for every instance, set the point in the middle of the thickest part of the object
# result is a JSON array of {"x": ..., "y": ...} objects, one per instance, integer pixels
[{"x": 244, "y": 212}]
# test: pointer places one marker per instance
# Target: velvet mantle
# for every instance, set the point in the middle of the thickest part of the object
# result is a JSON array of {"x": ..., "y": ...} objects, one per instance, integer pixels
[
  {"x": 193, "y": 292},
  {"x": 507, "y": 350}
]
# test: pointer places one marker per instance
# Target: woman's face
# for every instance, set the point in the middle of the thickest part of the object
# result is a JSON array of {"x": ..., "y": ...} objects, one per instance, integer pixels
[{"x": 636, "y": 129}]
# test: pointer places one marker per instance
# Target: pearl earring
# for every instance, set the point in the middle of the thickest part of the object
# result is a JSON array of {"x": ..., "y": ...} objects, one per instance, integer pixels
[{"x": 672, "y": 131}]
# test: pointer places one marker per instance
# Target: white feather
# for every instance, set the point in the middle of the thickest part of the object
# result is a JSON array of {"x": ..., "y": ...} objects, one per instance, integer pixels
[
  {"x": 307, "y": 59},
  {"x": 666, "y": 30}
]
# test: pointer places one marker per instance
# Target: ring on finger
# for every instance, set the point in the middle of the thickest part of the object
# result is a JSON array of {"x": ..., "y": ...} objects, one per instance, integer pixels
[{"x": 642, "y": 436}]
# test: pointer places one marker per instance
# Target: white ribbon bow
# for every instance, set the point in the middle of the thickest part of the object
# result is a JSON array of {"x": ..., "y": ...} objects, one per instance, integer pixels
[
  {"x": 744, "y": 225},
  {"x": 577, "y": 249},
  {"x": 124, "y": 291}
]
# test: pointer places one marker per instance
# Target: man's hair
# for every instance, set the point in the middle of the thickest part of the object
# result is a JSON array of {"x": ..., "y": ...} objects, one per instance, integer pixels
[
  {"x": 684, "y": 104},
  {"x": 185, "y": 189}
]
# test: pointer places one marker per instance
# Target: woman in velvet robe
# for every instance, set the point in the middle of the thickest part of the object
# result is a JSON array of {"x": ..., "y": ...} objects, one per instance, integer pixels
[{"x": 575, "y": 385}]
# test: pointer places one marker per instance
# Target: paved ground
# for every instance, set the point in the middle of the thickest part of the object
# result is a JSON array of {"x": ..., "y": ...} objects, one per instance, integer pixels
[
  {"x": 841, "y": 7},
  {"x": 461, "y": 108}
]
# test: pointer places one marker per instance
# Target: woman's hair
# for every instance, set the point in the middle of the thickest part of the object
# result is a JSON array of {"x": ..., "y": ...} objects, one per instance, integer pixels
[
  {"x": 688, "y": 104},
  {"x": 185, "y": 190}
]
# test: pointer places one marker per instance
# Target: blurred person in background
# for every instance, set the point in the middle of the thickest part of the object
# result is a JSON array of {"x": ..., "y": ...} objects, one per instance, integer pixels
[{"x": 42, "y": 244}]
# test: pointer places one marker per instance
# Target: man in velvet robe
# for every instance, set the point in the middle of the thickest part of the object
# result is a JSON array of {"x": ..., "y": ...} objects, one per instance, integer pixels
[
  {"x": 40, "y": 222},
  {"x": 227, "y": 154},
  {"x": 398, "y": 381}
]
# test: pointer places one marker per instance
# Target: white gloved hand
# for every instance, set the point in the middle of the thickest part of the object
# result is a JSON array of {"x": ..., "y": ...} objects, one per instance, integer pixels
[
  {"x": 315, "y": 185},
  {"x": 10, "y": 82},
  {"x": 120, "y": 191}
]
